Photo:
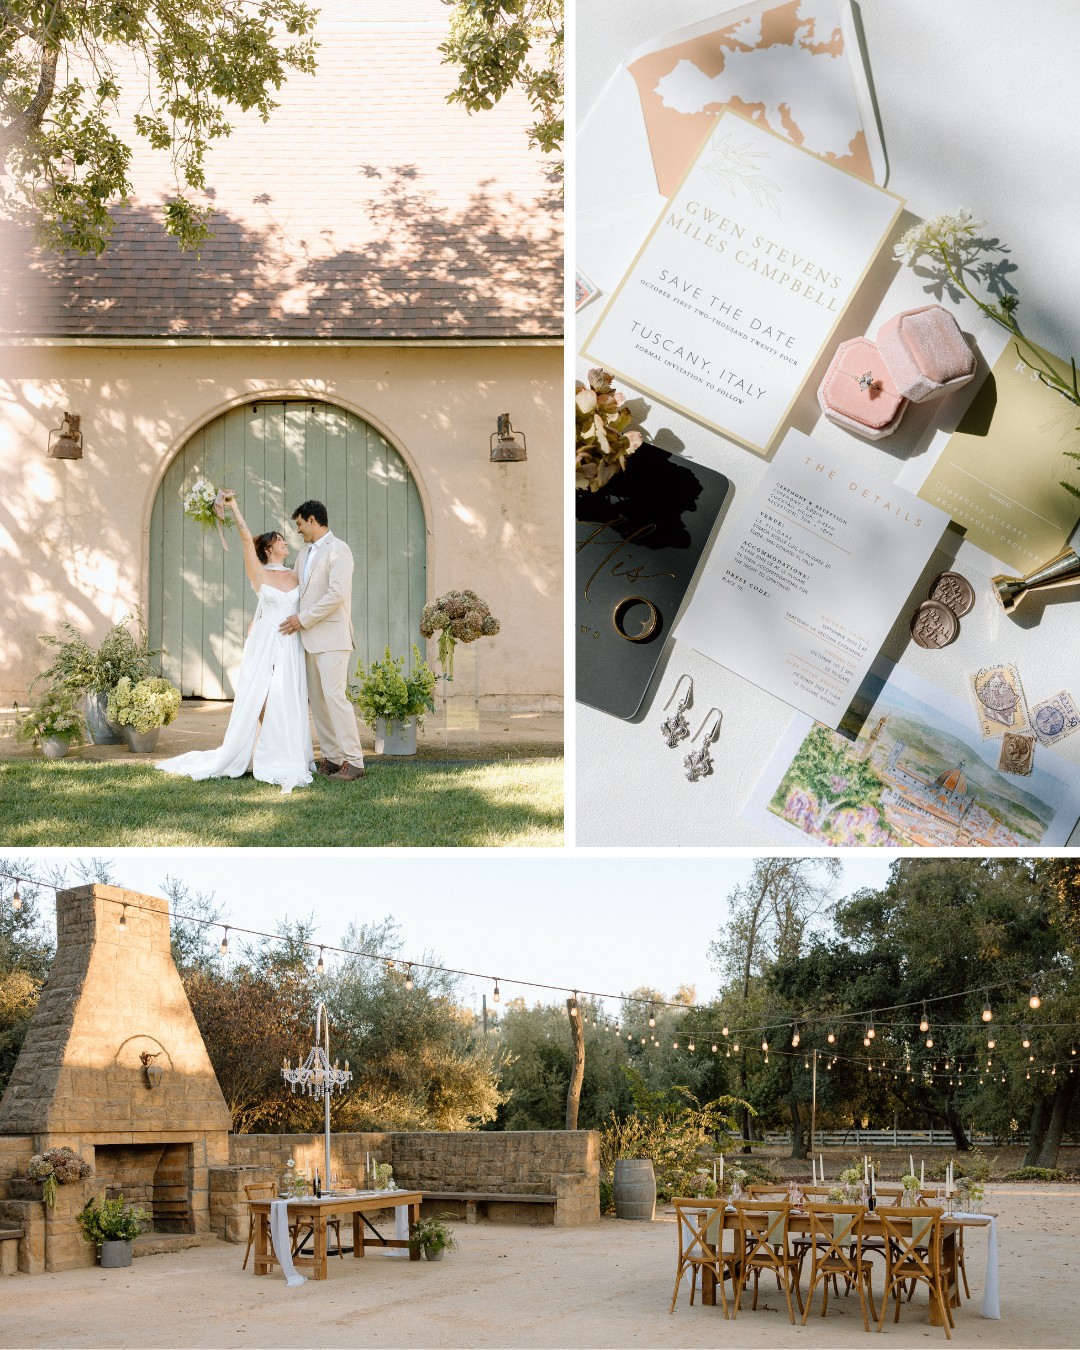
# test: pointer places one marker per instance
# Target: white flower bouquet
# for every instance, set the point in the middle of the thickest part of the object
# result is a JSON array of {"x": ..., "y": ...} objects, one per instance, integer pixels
[{"x": 205, "y": 504}]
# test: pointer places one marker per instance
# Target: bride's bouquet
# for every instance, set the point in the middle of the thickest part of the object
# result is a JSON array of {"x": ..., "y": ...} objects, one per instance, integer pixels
[
  {"x": 457, "y": 616},
  {"x": 205, "y": 504}
]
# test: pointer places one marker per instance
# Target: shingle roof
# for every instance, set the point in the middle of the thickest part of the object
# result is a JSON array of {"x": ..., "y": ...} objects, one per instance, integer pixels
[{"x": 367, "y": 207}]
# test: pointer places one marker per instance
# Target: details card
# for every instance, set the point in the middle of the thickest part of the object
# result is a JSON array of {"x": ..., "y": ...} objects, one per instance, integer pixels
[
  {"x": 801, "y": 591},
  {"x": 742, "y": 281}
]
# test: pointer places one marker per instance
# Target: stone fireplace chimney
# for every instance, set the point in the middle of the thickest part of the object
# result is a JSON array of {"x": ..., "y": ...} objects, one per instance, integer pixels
[{"x": 113, "y": 995}]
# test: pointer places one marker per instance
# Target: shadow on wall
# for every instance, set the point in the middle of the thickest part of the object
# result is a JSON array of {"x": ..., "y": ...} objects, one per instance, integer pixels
[{"x": 69, "y": 549}]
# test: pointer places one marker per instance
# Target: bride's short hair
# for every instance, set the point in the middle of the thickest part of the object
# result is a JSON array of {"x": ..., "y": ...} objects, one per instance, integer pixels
[{"x": 263, "y": 542}]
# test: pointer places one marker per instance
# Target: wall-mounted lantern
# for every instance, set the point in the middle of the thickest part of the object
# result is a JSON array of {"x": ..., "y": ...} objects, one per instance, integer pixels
[
  {"x": 507, "y": 445},
  {"x": 68, "y": 443},
  {"x": 154, "y": 1072}
]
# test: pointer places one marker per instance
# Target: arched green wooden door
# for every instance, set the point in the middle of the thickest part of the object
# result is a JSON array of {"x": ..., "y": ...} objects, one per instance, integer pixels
[{"x": 275, "y": 456}]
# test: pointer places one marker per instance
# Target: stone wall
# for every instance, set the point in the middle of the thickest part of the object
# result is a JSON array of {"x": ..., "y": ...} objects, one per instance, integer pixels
[{"x": 523, "y": 1162}]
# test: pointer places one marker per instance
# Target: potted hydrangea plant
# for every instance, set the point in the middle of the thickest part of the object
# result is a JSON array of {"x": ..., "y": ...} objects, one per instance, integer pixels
[
  {"x": 392, "y": 702},
  {"x": 54, "y": 721},
  {"x": 142, "y": 709},
  {"x": 92, "y": 675},
  {"x": 112, "y": 1226}
]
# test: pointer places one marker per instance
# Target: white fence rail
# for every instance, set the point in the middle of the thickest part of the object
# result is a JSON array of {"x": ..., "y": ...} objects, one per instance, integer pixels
[{"x": 885, "y": 1138}]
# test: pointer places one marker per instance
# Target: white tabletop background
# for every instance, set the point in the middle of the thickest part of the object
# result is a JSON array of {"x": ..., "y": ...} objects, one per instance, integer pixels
[{"x": 979, "y": 102}]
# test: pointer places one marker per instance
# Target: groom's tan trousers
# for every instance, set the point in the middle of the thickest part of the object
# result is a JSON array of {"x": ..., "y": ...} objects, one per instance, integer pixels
[{"x": 331, "y": 711}]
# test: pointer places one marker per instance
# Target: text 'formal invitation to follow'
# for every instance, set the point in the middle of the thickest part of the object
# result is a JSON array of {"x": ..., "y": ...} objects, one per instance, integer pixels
[
  {"x": 801, "y": 591},
  {"x": 745, "y": 275}
]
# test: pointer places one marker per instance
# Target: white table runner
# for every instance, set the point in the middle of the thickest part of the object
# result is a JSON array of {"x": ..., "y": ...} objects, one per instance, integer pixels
[
  {"x": 282, "y": 1243},
  {"x": 990, "y": 1306}
]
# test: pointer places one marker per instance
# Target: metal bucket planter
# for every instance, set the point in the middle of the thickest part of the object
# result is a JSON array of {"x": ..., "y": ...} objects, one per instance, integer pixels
[
  {"x": 55, "y": 747},
  {"x": 401, "y": 740},
  {"x": 115, "y": 1254},
  {"x": 142, "y": 742},
  {"x": 434, "y": 1256},
  {"x": 102, "y": 731},
  {"x": 634, "y": 1189}
]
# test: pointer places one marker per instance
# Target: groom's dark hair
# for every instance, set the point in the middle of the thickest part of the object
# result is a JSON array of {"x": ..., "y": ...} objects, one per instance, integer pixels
[{"x": 307, "y": 510}]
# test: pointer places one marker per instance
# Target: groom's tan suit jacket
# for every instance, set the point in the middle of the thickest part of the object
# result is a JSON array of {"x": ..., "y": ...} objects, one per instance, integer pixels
[{"x": 326, "y": 597}]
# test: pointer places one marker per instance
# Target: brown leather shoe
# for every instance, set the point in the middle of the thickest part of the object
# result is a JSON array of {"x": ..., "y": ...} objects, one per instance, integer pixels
[
  {"x": 349, "y": 773},
  {"x": 328, "y": 767}
]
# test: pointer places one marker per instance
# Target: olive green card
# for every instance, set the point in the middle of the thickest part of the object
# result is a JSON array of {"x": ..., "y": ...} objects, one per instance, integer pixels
[{"x": 999, "y": 474}]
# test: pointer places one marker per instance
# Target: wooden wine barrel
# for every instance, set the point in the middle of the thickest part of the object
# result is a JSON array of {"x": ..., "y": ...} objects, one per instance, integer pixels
[{"x": 634, "y": 1188}]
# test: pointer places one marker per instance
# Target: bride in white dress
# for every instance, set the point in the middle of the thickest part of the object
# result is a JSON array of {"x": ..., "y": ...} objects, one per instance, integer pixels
[{"x": 268, "y": 733}]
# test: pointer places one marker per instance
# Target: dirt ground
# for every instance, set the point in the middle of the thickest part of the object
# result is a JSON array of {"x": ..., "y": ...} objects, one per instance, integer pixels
[{"x": 606, "y": 1285}]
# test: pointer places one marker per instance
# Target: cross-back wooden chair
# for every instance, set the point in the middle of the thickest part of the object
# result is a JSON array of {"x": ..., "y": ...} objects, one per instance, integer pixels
[
  {"x": 259, "y": 1190},
  {"x": 763, "y": 1246},
  {"x": 913, "y": 1252},
  {"x": 836, "y": 1248},
  {"x": 701, "y": 1233}
]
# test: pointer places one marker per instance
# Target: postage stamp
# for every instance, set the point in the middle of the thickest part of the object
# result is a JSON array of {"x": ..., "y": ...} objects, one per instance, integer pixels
[
  {"x": 584, "y": 290},
  {"x": 1055, "y": 718},
  {"x": 1017, "y": 753},
  {"x": 999, "y": 698}
]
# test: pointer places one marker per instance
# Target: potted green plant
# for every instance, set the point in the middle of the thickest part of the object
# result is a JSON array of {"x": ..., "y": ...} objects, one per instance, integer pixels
[
  {"x": 112, "y": 1226},
  {"x": 142, "y": 709},
  {"x": 432, "y": 1237},
  {"x": 92, "y": 675},
  {"x": 392, "y": 702},
  {"x": 54, "y": 721}
]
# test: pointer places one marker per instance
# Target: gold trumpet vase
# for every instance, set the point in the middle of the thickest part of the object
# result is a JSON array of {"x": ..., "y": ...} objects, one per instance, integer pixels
[{"x": 1064, "y": 570}]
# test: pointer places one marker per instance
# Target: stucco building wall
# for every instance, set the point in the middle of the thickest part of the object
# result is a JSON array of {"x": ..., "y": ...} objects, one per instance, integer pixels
[{"x": 75, "y": 535}]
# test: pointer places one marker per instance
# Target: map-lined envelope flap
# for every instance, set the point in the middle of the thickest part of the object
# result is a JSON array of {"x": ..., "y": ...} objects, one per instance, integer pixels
[{"x": 641, "y": 535}]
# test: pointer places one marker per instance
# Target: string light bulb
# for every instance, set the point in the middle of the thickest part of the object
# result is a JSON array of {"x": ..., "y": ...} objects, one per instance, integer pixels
[
  {"x": 1025, "y": 1039},
  {"x": 723, "y": 1031},
  {"x": 929, "y": 1042},
  {"x": 795, "y": 1037},
  {"x": 573, "y": 1005},
  {"x": 924, "y": 1021},
  {"x": 714, "y": 1050},
  {"x": 991, "y": 1044},
  {"x": 1034, "y": 1001},
  {"x": 652, "y": 1019},
  {"x": 987, "y": 1012},
  {"x": 735, "y": 1047},
  {"x": 320, "y": 965},
  {"x": 831, "y": 1037},
  {"x": 408, "y": 977},
  {"x": 765, "y": 1044},
  {"x": 123, "y": 921},
  {"x": 16, "y": 898},
  {"x": 496, "y": 995},
  {"x": 870, "y": 1032},
  {"x": 223, "y": 950}
]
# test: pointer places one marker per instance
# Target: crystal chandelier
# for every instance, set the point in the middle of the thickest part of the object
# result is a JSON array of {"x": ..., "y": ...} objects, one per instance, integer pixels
[{"x": 317, "y": 1077}]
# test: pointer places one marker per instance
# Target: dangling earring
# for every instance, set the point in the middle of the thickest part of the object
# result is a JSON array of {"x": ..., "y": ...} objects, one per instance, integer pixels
[
  {"x": 698, "y": 763},
  {"x": 675, "y": 728}
]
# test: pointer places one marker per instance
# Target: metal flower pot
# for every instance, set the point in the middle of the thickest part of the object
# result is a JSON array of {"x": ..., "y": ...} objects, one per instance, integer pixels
[
  {"x": 401, "y": 740},
  {"x": 429, "y": 1255},
  {"x": 54, "y": 747},
  {"x": 102, "y": 731},
  {"x": 115, "y": 1254},
  {"x": 142, "y": 742}
]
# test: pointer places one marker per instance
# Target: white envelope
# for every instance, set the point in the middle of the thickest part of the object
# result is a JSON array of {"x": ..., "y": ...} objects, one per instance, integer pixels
[{"x": 618, "y": 196}]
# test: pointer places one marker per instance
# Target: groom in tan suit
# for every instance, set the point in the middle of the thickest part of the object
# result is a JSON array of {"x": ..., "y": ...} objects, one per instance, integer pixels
[{"x": 325, "y": 568}]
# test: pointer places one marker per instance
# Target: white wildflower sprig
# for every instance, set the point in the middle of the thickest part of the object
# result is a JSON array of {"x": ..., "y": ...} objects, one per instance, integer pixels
[{"x": 951, "y": 240}]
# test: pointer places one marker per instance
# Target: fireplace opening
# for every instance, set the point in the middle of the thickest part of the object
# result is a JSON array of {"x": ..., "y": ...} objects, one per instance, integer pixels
[{"x": 156, "y": 1177}]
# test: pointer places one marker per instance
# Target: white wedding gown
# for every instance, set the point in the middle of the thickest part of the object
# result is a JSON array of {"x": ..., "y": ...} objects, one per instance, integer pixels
[{"x": 272, "y": 673}]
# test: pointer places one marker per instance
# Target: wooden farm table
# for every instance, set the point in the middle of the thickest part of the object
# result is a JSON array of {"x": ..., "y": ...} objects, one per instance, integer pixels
[
  {"x": 316, "y": 1212},
  {"x": 799, "y": 1225}
]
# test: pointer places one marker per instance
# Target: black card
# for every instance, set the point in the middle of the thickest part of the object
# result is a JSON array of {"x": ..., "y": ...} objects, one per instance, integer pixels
[{"x": 640, "y": 536}]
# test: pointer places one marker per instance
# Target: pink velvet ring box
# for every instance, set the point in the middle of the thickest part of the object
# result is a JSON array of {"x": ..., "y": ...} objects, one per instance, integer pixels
[
  {"x": 859, "y": 393},
  {"x": 926, "y": 353}
]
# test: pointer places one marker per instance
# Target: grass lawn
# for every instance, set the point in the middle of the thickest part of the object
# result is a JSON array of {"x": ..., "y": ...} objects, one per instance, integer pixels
[{"x": 66, "y": 803}]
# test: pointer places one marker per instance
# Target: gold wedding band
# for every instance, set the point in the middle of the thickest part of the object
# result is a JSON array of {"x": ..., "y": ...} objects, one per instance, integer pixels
[{"x": 650, "y": 627}]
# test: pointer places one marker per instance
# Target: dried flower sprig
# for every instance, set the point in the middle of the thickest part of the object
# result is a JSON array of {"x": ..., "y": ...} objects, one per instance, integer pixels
[
  {"x": 604, "y": 441},
  {"x": 951, "y": 240}
]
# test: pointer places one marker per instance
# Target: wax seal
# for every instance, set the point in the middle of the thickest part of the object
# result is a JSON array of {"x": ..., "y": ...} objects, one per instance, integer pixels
[
  {"x": 934, "y": 624},
  {"x": 955, "y": 591}
]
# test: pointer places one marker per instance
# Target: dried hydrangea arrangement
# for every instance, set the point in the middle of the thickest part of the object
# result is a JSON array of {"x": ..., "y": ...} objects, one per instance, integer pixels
[
  {"x": 604, "y": 440},
  {"x": 457, "y": 616},
  {"x": 57, "y": 1167},
  {"x": 952, "y": 243}
]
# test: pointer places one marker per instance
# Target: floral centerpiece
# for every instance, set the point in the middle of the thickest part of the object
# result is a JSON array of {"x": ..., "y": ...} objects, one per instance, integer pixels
[
  {"x": 457, "y": 616},
  {"x": 205, "y": 504},
  {"x": 54, "y": 716},
  {"x": 386, "y": 691},
  {"x": 384, "y": 1177},
  {"x": 837, "y": 1195},
  {"x": 735, "y": 1180},
  {"x": 57, "y": 1167},
  {"x": 604, "y": 440},
  {"x": 910, "y": 1183},
  {"x": 952, "y": 244}
]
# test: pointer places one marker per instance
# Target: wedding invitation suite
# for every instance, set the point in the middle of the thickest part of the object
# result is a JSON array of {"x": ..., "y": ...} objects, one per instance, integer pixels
[
  {"x": 742, "y": 281},
  {"x": 801, "y": 593}
]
